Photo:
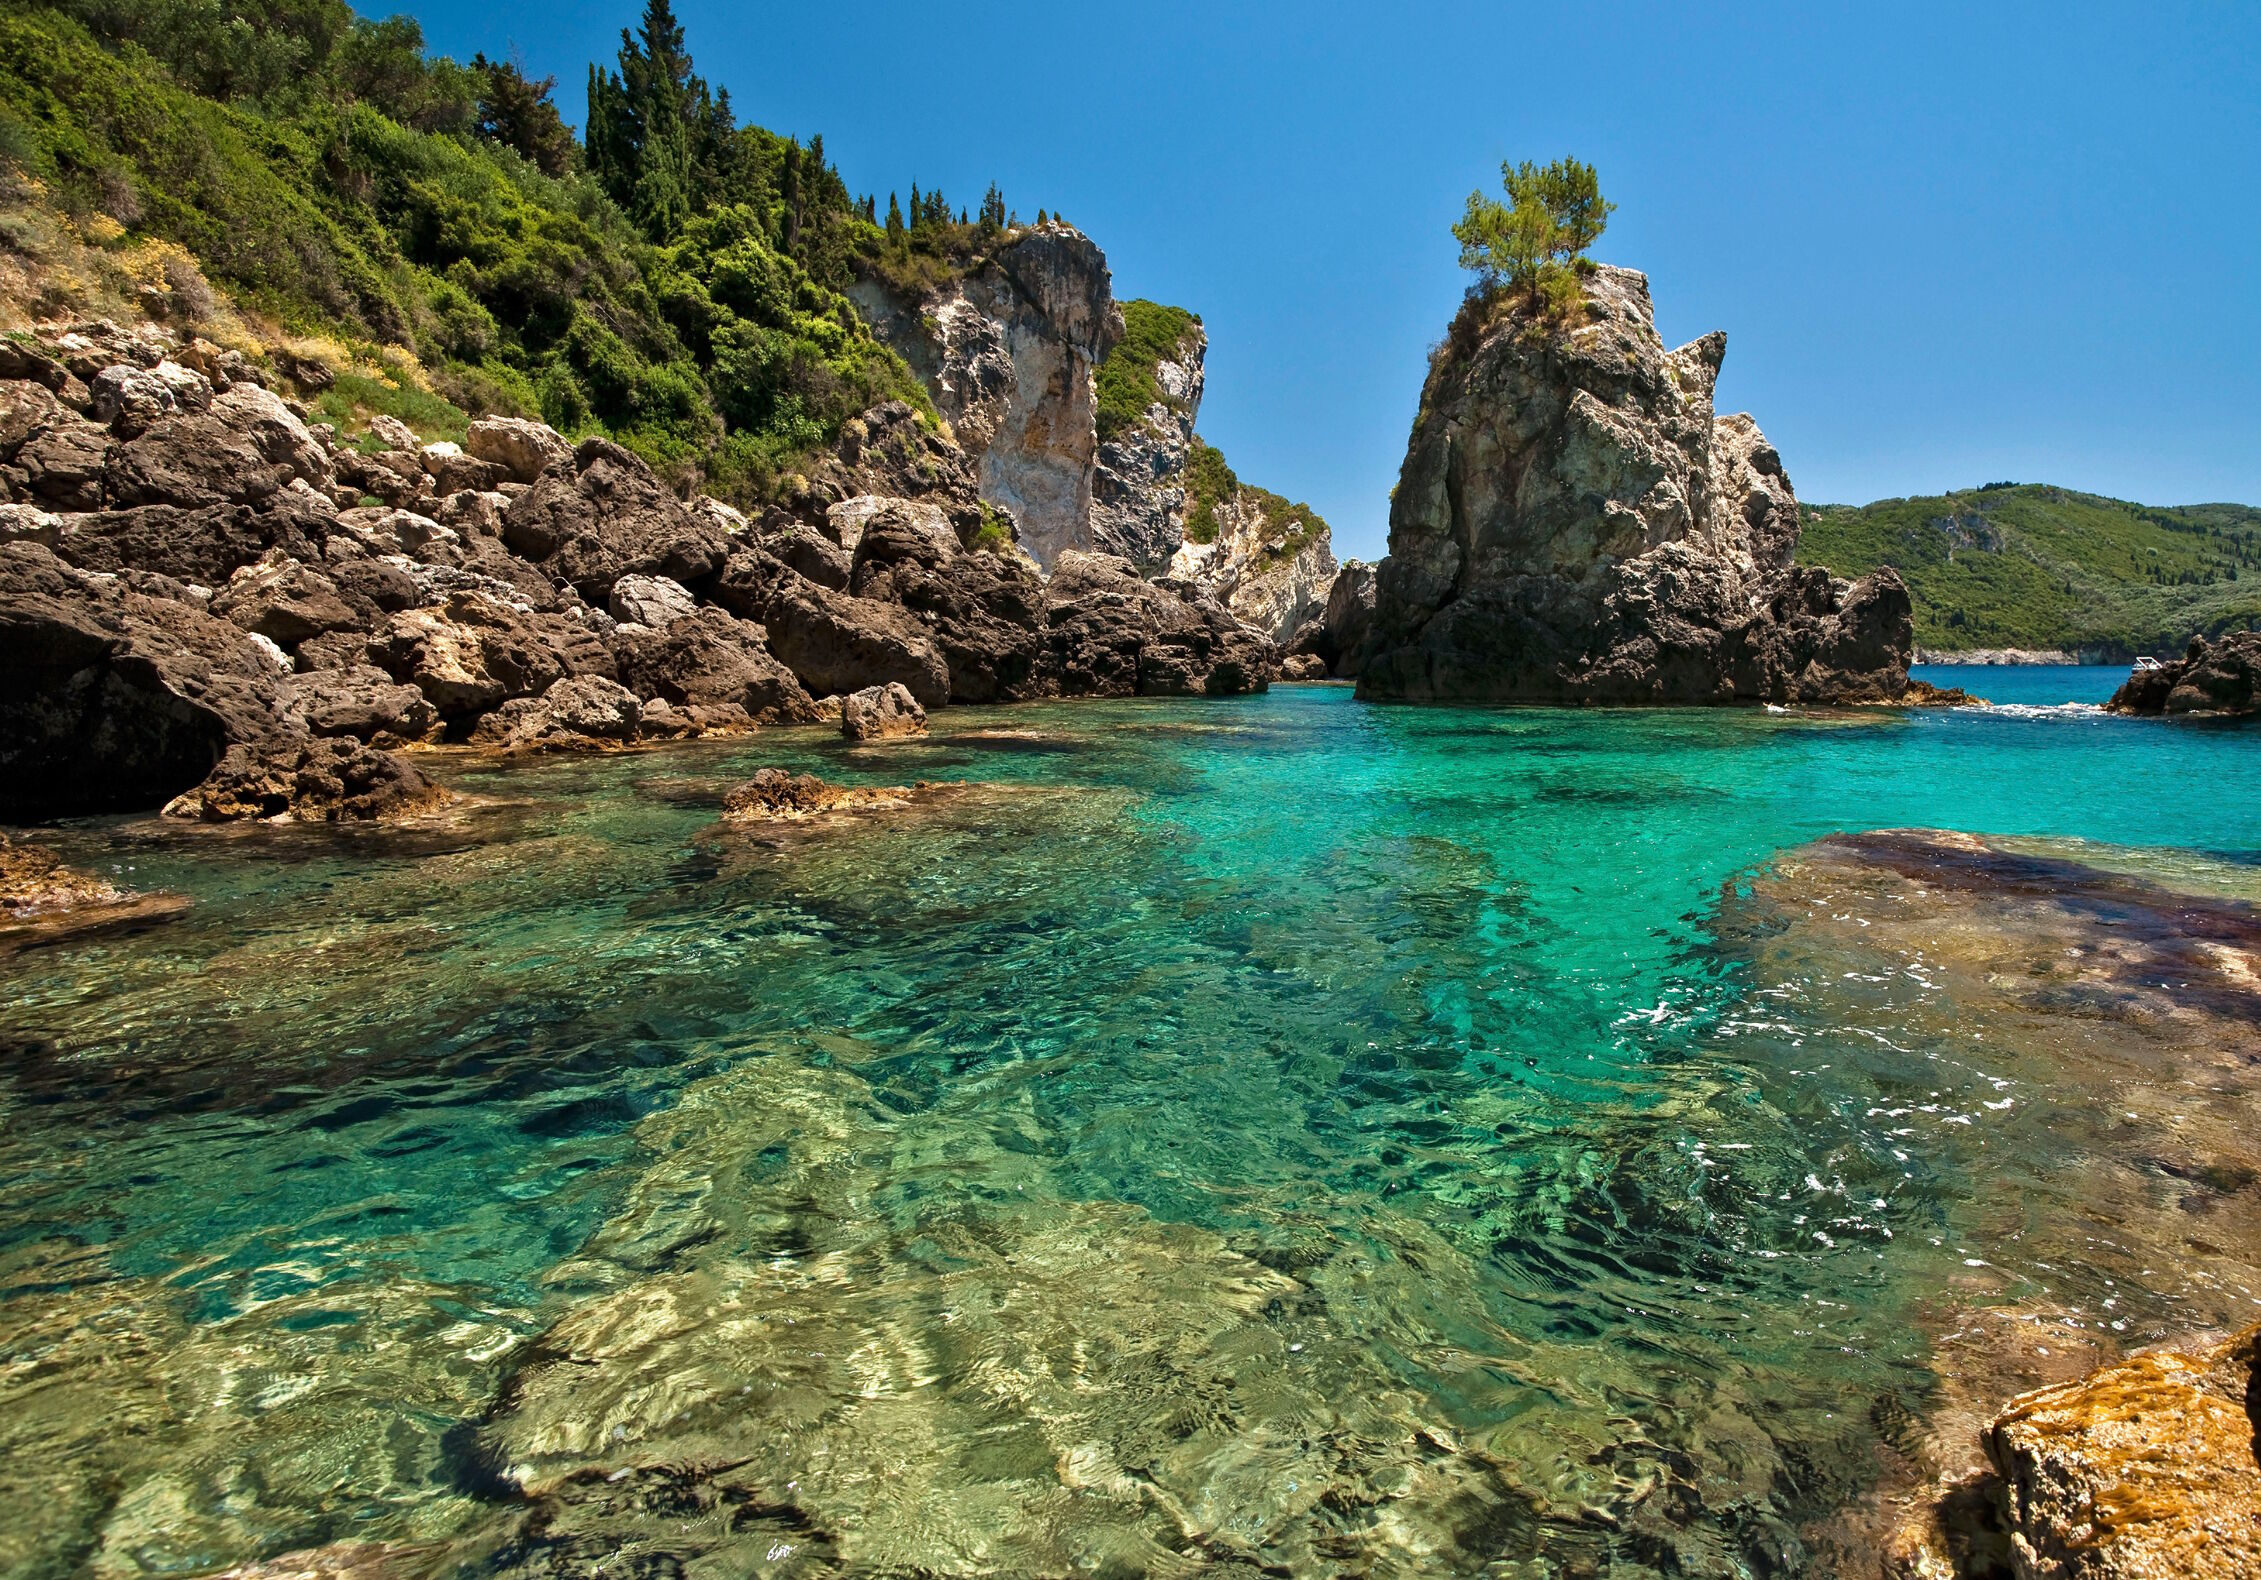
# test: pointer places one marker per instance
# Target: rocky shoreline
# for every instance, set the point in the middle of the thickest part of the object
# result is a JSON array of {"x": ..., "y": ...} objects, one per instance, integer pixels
[{"x": 192, "y": 574}]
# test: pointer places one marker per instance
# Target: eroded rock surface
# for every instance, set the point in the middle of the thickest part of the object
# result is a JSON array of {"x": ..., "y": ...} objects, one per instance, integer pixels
[
  {"x": 192, "y": 568},
  {"x": 309, "y": 781},
  {"x": 2221, "y": 676},
  {"x": 1138, "y": 496},
  {"x": 1008, "y": 351},
  {"x": 1574, "y": 524}
]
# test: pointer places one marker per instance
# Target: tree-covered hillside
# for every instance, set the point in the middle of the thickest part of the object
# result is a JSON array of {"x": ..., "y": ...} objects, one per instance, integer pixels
[
  {"x": 2031, "y": 566},
  {"x": 674, "y": 280}
]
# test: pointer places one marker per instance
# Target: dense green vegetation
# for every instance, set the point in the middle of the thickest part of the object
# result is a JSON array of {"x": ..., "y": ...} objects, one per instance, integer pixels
[
  {"x": 1285, "y": 528},
  {"x": 1536, "y": 242},
  {"x": 1127, "y": 389},
  {"x": 677, "y": 284},
  {"x": 2038, "y": 567}
]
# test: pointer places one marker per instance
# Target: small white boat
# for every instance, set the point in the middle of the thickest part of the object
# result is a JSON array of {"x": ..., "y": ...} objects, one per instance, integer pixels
[{"x": 2143, "y": 664}]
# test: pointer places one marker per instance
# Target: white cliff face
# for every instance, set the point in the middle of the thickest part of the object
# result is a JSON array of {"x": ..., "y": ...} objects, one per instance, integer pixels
[
  {"x": 1008, "y": 353},
  {"x": 1271, "y": 567},
  {"x": 1138, "y": 494}
]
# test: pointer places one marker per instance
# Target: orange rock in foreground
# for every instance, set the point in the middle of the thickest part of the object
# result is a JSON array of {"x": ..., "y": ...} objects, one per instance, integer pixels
[{"x": 2147, "y": 1468}]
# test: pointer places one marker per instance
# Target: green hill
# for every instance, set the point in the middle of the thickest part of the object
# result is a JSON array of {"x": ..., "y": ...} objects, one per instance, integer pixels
[
  {"x": 291, "y": 178},
  {"x": 2026, "y": 565}
]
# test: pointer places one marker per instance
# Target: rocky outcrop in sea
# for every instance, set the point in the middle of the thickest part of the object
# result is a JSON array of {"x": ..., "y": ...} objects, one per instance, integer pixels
[
  {"x": 196, "y": 580},
  {"x": 1008, "y": 350},
  {"x": 1574, "y": 524},
  {"x": 2220, "y": 677}
]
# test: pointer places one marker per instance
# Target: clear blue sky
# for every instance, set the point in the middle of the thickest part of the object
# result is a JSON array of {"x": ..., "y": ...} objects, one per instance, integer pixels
[{"x": 1949, "y": 244}]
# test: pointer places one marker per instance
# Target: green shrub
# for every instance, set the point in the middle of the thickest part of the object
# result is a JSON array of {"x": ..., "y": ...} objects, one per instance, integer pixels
[{"x": 1126, "y": 385}]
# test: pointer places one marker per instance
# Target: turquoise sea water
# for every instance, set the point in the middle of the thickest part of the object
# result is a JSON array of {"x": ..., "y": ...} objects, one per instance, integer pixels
[
  {"x": 2028, "y": 685},
  {"x": 1282, "y": 1131}
]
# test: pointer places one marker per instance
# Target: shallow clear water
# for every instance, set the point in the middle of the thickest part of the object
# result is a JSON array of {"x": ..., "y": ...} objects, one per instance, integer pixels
[{"x": 1283, "y": 1130}]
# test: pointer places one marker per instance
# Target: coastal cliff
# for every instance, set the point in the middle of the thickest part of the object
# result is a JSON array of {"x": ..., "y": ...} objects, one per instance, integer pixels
[
  {"x": 1270, "y": 562},
  {"x": 1149, "y": 396},
  {"x": 1008, "y": 350},
  {"x": 1573, "y": 524}
]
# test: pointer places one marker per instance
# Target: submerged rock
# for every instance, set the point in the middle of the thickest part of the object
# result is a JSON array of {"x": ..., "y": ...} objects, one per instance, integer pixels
[
  {"x": 1575, "y": 525},
  {"x": 2220, "y": 676},
  {"x": 42, "y": 898},
  {"x": 774, "y": 795}
]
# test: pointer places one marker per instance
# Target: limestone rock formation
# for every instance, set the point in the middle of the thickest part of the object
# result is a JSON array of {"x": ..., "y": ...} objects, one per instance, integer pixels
[
  {"x": 1113, "y": 634},
  {"x": 1138, "y": 497},
  {"x": 1573, "y": 524},
  {"x": 2221, "y": 676},
  {"x": 1008, "y": 351},
  {"x": 202, "y": 576},
  {"x": 881, "y": 713},
  {"x": 1344, "y": 631},
  {"x": 113, "y": 694},
  {"x": 1273, "y": 567},
  {"x": 607, "y": 516}
]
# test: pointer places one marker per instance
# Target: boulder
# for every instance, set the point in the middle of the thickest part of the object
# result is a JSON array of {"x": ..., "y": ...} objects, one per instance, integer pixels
[
  {"x": 879, "y": 713},
  {"x": 709, "y": 659},
  {"x": 1573, "y": 524},
  {"x": 129, "y": 399},
  {"x": 28, "y": 363},
  {"x": 113, "y": 699},
  {"x": 587, "y": 710},
  {"x": 819, "y": 558},
  {"x": 607, "y": 516},
  {"x": 837, "y": 642},
  {"x": 394, "y": 434},
  {"x": 453, "y": 472},
  {"x": 2219, "y": 675},
  {"x": 205, "y": 545},
  {"x": 359, "y": 700},
  {"x": 473, "y": 511},
  {"x": 1112, "y": 634},
  {"x": 984, "y": 608},
  {"x": 1303, "y": 666},
  {"x": 243, "y": 448},
  {"x": 65, "y": 464},
  {"x": 308, "y": 781},
  {"x": 2147, "y": 1468},
  {"x": 893, "y": 452},
  {"x": 25, "y": 408},
  {"x": 650, "y": 600},
  {"x": 286, "y": 601},
  {"x": 524, "y": 450},
  {"x": 475, "y": 652}
]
